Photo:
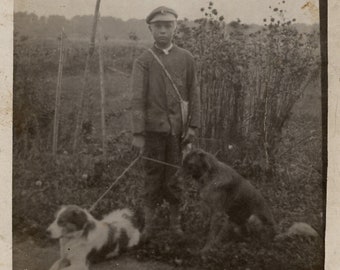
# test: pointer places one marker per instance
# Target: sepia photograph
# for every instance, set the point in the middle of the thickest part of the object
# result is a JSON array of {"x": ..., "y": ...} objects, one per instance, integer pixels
[{"x": 158, "y": 135}]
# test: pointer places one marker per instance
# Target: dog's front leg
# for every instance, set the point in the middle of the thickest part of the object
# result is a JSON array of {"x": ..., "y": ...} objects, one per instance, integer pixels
[
  {"x": 216, "y": 222},
  {"x": 60, "y": 264},
  {"x": 77, "y": 263},
  {"x": 82, "y": 266},
  {"x": 56, "y": 265}
]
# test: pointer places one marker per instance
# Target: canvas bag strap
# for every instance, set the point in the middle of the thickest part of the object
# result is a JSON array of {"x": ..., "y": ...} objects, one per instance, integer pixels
[{"x": 167, "y": 74}]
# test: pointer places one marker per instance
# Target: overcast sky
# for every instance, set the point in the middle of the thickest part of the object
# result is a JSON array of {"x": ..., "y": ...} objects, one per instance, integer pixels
[{"x": 249, "y": 11}]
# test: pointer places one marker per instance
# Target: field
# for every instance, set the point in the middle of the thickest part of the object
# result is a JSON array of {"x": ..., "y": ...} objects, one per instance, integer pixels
[{"x": 293, "y": 185}]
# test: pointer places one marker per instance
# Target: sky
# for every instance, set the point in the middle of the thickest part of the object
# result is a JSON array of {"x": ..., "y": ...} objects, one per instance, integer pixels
[{"x": 249, "y": 11}]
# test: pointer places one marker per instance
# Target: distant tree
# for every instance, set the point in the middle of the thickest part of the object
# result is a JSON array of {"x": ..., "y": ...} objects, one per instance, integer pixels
[
  {"x": 25, "y": 23},
  {"x": 55, "y": 23},
  {"x": 133, "y": 36}
]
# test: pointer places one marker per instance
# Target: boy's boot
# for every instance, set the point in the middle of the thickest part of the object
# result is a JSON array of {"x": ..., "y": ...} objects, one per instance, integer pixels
[
  {"x": 149, "y": 226},
  {"x": 175, "y": 220}
]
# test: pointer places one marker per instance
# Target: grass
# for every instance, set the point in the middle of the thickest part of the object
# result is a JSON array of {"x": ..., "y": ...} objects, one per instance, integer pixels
[{"x": 41, "y": 183}]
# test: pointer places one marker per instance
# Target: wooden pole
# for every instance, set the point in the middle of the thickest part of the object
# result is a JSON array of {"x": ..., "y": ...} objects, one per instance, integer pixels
[
  {"x": 79, "y": 120},
  {"x": 102, "y": 89},
  {"x": 57, "y": 95}
]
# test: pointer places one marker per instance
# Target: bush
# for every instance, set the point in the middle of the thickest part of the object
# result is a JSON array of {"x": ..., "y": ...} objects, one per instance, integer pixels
[{"x": 249, "y": 81}]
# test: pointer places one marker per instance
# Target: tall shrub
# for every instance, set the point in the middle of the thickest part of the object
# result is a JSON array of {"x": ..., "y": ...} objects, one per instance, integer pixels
[{"x": 250, "y": 79}]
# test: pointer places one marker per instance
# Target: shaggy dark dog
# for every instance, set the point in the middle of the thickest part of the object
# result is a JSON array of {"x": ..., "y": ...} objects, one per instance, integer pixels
[{"x": 234, "y": 204}]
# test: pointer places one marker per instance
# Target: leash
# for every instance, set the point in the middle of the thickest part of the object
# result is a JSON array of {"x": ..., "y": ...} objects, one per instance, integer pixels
[
  {"x": 93, "y": 206},
  {"x": 161, "y": 162},
  {"x": 117, "y": 179}
]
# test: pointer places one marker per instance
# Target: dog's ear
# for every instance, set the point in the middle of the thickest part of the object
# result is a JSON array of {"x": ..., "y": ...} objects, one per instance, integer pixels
[
  {"x": 206, "y": 161},
  {"x": 187, "y": 155},
  {"x": 89, "y": 226},
  {"x": 78, "y": 218}
]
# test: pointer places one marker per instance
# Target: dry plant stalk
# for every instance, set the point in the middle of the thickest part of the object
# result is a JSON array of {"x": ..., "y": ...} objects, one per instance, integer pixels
[
  {"x": 79, "y": 119},
  {"x": 57, "y": 95},
  {"x": 102, "y": 90}
]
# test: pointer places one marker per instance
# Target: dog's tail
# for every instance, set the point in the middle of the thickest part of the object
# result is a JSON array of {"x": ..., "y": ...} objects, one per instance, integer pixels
[{"x": 298, "y": 229}]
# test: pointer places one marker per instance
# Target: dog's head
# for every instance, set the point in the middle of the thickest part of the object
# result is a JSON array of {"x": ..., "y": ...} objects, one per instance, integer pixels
[
  {"x": 70, "y": 219},
  {"x": 196, "y": 163}
]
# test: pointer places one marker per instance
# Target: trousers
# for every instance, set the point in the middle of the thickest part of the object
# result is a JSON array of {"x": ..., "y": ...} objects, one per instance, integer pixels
[{"x": 160, "y": 181}]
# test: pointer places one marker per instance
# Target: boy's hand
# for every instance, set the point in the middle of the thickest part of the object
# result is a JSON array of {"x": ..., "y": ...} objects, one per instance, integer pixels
[
  {"x": 189, "y": 136},
  {"x": 138, "y": 142}
]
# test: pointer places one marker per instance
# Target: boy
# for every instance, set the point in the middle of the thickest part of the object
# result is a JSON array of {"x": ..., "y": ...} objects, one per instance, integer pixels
[{"x": 156, "y": 115}]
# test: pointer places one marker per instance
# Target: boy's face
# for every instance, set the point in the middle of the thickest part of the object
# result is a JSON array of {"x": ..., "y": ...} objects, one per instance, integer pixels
[{"x": 163, "y": 32}]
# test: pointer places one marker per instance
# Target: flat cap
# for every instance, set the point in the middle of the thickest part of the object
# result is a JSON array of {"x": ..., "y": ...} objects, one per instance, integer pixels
[{"x": 161, "y": 14}]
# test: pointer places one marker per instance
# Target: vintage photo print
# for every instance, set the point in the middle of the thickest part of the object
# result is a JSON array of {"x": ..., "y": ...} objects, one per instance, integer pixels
[{"x": 169, "y": 134}]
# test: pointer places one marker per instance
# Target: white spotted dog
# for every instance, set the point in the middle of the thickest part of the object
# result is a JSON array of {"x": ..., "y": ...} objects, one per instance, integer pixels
[{"x": 84, "y": 239}]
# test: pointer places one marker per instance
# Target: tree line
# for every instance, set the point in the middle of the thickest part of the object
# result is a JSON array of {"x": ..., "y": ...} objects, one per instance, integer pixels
[{"x": 79, "y": 26}]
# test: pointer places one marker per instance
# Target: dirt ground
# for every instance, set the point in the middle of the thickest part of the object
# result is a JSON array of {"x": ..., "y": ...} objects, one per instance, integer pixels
[{"x": 27, "y": 255}]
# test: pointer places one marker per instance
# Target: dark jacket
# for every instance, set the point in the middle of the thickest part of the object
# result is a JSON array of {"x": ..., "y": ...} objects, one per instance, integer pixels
[{"x": 155, "y": 106}]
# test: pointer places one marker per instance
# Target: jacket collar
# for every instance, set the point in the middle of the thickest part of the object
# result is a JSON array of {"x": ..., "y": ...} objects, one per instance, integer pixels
[{"x": 165, "y": 51}]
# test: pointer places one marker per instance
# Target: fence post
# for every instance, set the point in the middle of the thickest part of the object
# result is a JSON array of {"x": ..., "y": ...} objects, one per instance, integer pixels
[
  {"x": 102, "y": 88},
  {"x": 79, "y": 120},
  {"x": 57, "y": 94}
]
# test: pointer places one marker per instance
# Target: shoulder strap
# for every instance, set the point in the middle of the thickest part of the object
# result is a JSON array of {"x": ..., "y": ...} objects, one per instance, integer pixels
[{"x": 166, "y": 73}]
